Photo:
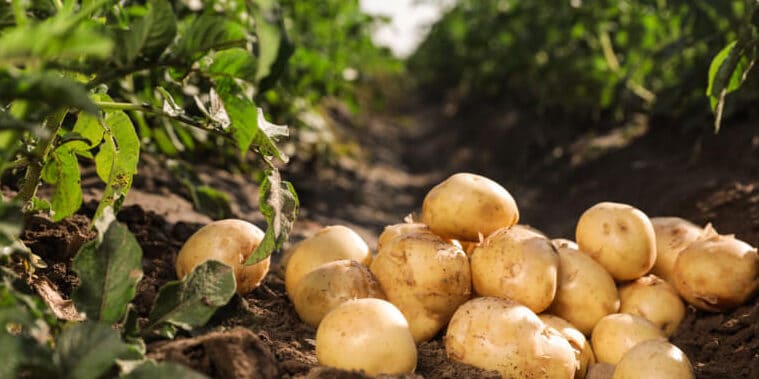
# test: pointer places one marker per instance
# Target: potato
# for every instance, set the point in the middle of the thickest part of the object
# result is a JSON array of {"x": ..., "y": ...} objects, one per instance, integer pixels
[
  {"x": 465, "y": 206},
  {"x": 563, "y": 242},
  {"x": 366, "y": 334},
  {"x": 617, "y": 333},
  {"x": 717, "y": 272},
  {"x": 402, "y": 229},
  {"x": 654, "y": 299},
  {"x": 330, "y": 285},
  {"x": 673, "y": 234},
  {"x": 502, "y": 335},
  {"x": 426, "y": 278},
  {"x": 518, "y": 264},
  {"x": 330, "y": 244},
  {"x": 654, "y": 359},
  {"x": 620, "y": 237},
  {"x": 228, "y": 241},
  {"x": 585, "y": 292},
  {"x": 600, "y": 371},
  {"x": 580, "y": 345}
]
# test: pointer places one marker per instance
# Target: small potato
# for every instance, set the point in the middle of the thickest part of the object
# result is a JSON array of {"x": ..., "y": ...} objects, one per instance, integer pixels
[
  {"x": 583, "y": 351},
  {"x": 426, "y": 278},
  {"x": 654, "y": 359},
  {"x": 586, "y": 292},
  {"x": 329, "y": 244},
  {"x": 563, "y": 242},
  {"x": 465, "y": 206},
  {"x": 673, "y": 234},
  {"x": 502, "y": 335},
  {"x": 717, "y": 272},
  {"x": 617, "y": 333},
  {"x": 655, "y": 300},
  {"x": 228, "y": 241},
  {"x": 330, "y": 285},
  {"x": 620, "y": 237},
  {"x": 366, "y": 334},
  {"x": 518, "y": 264}
]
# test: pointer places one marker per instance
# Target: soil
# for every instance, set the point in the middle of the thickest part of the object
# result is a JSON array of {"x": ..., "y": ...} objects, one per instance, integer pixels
[{"x": 553, "y": 173}]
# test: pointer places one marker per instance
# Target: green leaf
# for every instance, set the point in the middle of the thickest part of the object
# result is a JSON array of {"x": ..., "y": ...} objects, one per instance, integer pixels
[
  {"x": 190, "y": 302},
  {"x": 62, "y": 170},
  {"x": 274, "y": 48},
  {"x": 234, "y": 63},
  {"x": 116, "y": 162},
  {"x": 208, "y": 32},
  {"x": 151, "y": 370},
  {"x": 279, "y": 204},
  {"x": 88, "y": 350},
  {"x": 88, "y": 127},
  {"x": 727, "y": 72},
  {"x": 49, "y": 88},
  {"x": 149, "y": 36},
  {"x": 109, "y": 271}
]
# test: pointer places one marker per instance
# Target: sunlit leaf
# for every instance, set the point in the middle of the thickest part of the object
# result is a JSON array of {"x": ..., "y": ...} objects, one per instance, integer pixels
[
  {"x": 279, "y": 204},
  {"x": 62, "y": 170},
  {"x": 116, "y": 162}
]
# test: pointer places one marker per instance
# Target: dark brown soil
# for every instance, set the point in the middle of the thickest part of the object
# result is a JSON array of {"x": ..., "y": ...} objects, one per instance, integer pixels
[{"x": 691, "y": 174}]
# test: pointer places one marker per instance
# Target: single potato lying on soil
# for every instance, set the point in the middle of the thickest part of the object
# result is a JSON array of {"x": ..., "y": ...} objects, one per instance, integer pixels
[
  {"x": 518, "y": 264},
  {"x": 655, "y": 300},
  {"x": 620, "y": 237},
  {"x": 717, "y": 272},
  {"x": 332, "y": 243},
  {"x": 230, "y": 242},
  {"x": 502, "y": 335},
  {"x": 466, "y": 206},
  {"x": 617, "y": 333},
  {"x": 673, "y": 234},
  {"x": 654, "y": 359},
  {"x": 366, "y": 334},
  {"x": 426, "y": 277}
]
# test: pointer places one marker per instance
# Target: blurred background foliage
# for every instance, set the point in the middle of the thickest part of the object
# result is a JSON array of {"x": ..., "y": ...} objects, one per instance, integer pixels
[{"x": 591, "y": 63}]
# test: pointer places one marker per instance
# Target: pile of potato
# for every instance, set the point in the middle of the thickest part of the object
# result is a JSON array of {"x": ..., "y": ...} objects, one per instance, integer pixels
[{"x": 507, "y": 297}]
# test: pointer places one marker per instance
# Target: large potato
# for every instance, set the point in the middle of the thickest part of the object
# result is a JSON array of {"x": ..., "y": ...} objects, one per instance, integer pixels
[
  {"x": 330, "y": 285},
  {"x": 466, "y": 206},
  {"x": 332, "y": 243},
  {"x": 655, "y": 300},
  {"x": 620, "y": 237},
  {"x": 717, "y": 272},
  {"x": 396, "y": 230},
  {"x": 502, "y": 335},
  {"x": 426, "y": 278},
  {"x": 586, "y": 292},
  {"x": 518, "y": 264},
  {"x": 228, "y": 241},
  {"x": 673, "y": 234},
  {"x": 366, "y": 334},
  {"x": 654, "y": 359},
  {"x": 583, "y": 351},
  {"x": 617, "y": 333}
]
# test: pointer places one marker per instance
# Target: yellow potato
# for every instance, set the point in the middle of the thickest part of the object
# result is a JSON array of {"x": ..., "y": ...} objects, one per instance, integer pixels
[
  {"x": 402, "y": 229},
  {"x": 563, "y": 242},
  {"x": 466, "y": 206},
  {"x": 366, "y": 334},
  {"x": 228, "y": 241},
  {"x": 717, "y": 272},
  {"x": 426, "y": 278},
  {"x": 673, "y": 234},
  {"x": 330, "y": 285},
  {"x": 620, "y": 237},
  {"x": 586, "y": 292},
  {"x": 654, "y": 359},
  {"x": 580, "y": 345},
  {"x": 655, "y": 300},
  {"x": 332, "y": 243},
  {"x": 502, "y": 335},
  {"x": 617, "y": 333},
  {"x": 518, "y": 264}
]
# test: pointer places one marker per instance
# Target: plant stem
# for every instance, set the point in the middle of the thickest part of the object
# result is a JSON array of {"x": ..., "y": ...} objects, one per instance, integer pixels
[
  {"x": 40, "y": 154},
  {"x": 147, "y": 108},
  {"x": 19, "y": 13}
]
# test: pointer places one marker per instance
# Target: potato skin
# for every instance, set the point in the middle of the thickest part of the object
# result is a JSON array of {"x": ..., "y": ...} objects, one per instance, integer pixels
[
  {"x": 330, "y": 285},
  {"x": 586, "y": 291},
  {"x": 673, "y": 234},
  {"x": 618, "y": 236},
  {"x": 717, "y": 273},
  {"x": 518, "y": 264},
  {"x": 231, "y": 242},
  {"x": 366, "y": 334},
  {"x": 330, "y": 244},
  {"x": 654, "y": 299},
  {"x": 617, "y": 333},
  {"x": 580, "y": 345},
  {"x": 502, "y": 335},
  {"x": 465, "y": 206},
  {"x": 654, "y": 359},
  {"x": 426, "y": 278}
]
